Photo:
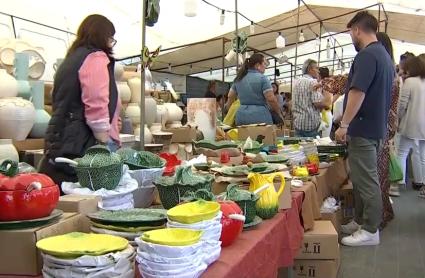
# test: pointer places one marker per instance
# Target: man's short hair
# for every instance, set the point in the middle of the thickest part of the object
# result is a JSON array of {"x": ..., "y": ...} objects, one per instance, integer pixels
[
  {"x": 365, "y": 21},
  {"x": 307, "y": 64}
]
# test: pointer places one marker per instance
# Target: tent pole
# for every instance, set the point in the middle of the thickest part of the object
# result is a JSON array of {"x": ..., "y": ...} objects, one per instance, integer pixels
[
  {"x": 142, "y": 80},
  {"x": 320, "y": 44},
  {"x": 296, "y": 45},
  {"x": 379, "y": 17},
  {"x": 291, "y": 78},
  {"x": 236, "y": 35}
]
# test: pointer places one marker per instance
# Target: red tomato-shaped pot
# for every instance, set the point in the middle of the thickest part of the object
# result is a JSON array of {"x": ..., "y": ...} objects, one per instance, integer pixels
[
  {"x": 232, "y": 222},
  {"x": 312, "y": 168},
  {"x": 27, "y": 196}
]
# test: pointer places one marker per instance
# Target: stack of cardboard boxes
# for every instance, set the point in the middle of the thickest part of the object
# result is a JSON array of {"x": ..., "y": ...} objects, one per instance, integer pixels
[
  {"x": 319, "y": 255},
  {"x": 18, "y": 253}
]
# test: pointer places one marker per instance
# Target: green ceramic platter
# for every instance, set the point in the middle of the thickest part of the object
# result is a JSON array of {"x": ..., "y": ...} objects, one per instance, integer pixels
[
  {"x": 275, "y": 158},
  {"x": 31, "y": 223},
  {"x": 215, "y": 145},
  {"x": 257, "y": 220},
  {"x": 137, "y": 217},
  {"x": 243, "y": 170}
]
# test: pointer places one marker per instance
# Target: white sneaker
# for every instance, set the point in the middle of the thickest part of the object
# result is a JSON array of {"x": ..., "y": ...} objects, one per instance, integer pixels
[
  {"x": 394, "y": 190},
  {"x": 361, "y": 238},
  {"x": 350, "y": 228}
]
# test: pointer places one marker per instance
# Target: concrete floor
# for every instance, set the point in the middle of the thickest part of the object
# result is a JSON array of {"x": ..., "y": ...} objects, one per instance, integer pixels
[{"x": 401, "y": 253}]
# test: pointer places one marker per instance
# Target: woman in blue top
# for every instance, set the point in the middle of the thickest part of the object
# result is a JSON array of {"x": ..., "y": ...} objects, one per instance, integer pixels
[{"x": 255, "y": 93}]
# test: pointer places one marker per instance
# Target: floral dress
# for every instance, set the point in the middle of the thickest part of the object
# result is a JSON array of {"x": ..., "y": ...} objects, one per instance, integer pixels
[{"x": 384, "y": 157}]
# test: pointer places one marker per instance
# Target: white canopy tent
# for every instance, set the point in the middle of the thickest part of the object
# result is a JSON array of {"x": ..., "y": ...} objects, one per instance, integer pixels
[{"x": 174, "y": 29}]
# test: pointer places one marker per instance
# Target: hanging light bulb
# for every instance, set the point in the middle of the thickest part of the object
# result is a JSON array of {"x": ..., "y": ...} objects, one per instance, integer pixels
[
  {"x": 169, "y": 67},
  {"x": 227, "y": 72},
  {"x": 280, "y": 41},
  {"x": 222, "y": 17},
  {"x": 328, "y": 49},
  {"x": 230, "y": 55},
  {"x": 247, "y": 55},
  {"x": 252, "y": 28},
  {"x": 190, "y": 8},
  {"x": 317, "y": 41},
  {"x": 301, "y": 37},
  {"x": 190, "y": 68},
  {"x": 342, "y": 65},
  {"x": 210, "y": 71}
]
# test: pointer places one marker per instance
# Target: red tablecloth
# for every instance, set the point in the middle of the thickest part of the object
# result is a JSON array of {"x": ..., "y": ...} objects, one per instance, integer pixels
[{"x": 261, "y": 251}]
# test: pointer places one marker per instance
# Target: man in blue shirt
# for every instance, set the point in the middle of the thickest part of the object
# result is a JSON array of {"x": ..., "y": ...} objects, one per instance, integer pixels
[{"x": 364, "y": 126}]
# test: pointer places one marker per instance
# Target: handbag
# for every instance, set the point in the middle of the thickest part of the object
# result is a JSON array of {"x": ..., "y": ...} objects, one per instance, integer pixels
[{"x": 395, "y": 172}]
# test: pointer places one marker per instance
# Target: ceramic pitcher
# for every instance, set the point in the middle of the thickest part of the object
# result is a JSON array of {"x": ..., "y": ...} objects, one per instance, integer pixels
[{"x": 268, "y": 203}]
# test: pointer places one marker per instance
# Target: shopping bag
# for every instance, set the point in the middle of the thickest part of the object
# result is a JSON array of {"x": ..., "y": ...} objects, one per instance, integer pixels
[
  {"x": 395, "y": 173},
  {"x": 231, "y": 114}
]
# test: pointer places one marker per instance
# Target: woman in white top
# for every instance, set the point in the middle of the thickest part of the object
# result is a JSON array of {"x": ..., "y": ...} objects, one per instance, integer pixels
[{"x": 411, "y": 118}]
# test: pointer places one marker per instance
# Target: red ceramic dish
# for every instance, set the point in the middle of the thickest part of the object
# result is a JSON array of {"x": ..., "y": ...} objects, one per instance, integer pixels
[
  {"x": 172, "y": 162},
  {"x": 27, "y": 196},
  {"x": 231, "y": 226}
]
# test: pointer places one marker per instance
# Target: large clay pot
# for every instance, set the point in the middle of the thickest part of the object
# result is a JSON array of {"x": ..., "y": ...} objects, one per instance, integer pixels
[
  {"x": 135, "y": 87},
  {"x": 8, "y": 151},
  {"x": 133, "y": 112},
  {"x": 124, "y": 92},
  {"x": 148, "y": 134},
  {"x": 17, "y": 117},
  {"x": 150, "y": 110},
  {"x": 8, "y": 85},
  {"x": 118, "y": 71},
  {"x": 174, "y": 112},
  {"x": 42, "y": 118},
  {"x": 161, "y": 114}
]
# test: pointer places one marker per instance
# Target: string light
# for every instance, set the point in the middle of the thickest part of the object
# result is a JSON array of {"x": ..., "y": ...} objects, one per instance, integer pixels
[
  {"x": 190, "y": 68},
  {"x": 301, "y": 37},
  {"x": 317, "y": 41},
  {"x": 227, "y": 72},
  {"x": 252, "y": 28},
  {"x": 190, "y": 8},
  {"x": 222, "y": 17},
  {"x": 169, "y": 67},
  {"x": 328, "y": 49},
  {"x": 280, "y": 41},
  {"x": 210, "y": 71}
]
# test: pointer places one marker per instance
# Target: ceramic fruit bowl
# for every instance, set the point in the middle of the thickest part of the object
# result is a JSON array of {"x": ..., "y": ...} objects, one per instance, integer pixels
[
  {"x": 275, "y": 158},
  {"x": 98, "y": 168},
  {"x": 172, "y": 236},
  {"x": 193, "y": 212},
  {"x": 140, "y": 160},
  {"x": 172, "y": 189},
  {"x": 137, "y": 217},
  {"x": 154, "y": 148},
  {"x": 78, "y": 244}
]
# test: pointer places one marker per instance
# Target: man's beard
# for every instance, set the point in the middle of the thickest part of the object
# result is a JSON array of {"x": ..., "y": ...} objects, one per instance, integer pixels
[{"x": 357, "y": 45}]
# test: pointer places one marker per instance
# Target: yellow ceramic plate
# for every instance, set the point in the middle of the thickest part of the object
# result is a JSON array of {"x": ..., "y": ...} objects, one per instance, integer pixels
[
  {"x": 194, "y": 212},
  {"x": 78, "y": 244},
  {"x": 126, "y": 229},
  {"x": 172, "y": 236}
]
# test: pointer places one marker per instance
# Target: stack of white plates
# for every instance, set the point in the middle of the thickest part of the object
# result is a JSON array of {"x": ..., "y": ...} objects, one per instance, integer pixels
[
  {"x": 163, "y": 261},
  {"x": 115, "y": 264},
  {"x": 295, "y": 154},
  {"x": 211, "y": 228}
]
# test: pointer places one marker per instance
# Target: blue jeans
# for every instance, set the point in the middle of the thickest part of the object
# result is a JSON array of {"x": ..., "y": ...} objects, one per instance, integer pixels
[{"x": 303, "y": 133}]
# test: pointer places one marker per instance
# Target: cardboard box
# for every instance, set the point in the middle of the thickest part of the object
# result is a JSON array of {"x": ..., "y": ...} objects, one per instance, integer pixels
[
  {"x": 29, "y": 144},
  {"x": 335, "y": 218},
  {"x": 32, "y": 157},
  {"x": 18, "y": 253},
  {"x": 182, "y": 134},
  {"x": 346, "y": 199},
  {"x": 285, "y": 199},
  {"x": 316, "y": 268},
  {"x": 267, "y": 132},
  {"x": 320, "y": 243}
]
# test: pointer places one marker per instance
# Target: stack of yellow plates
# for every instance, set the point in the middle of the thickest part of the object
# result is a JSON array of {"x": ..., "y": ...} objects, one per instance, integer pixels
[
  {"x": 194, "y": 212},
  {"x": 78, "y": 244},
  {"x": 172, "y": 236}
]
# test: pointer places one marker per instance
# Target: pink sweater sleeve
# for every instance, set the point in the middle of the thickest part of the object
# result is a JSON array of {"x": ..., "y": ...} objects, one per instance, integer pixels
[{"x": 94, "y": 79}]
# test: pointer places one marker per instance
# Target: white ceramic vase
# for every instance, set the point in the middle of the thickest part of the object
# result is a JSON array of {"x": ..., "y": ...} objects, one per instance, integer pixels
[
  {"x": 156, "y": 127},
  {"x": 133, "y": 112},
  {"x": 8, "y": 151},
  {"x": 148, "y": 134},
  {"x": 135, "y": 87},
  {"x": 17, "y": 117},
  {"x": 118, "y": 71},
  {"x": 174, "y": 112},
  {"x": 161, "y": 114},
  {"x": 8, "y": 85},
  {"x": 124, "y": 92},
  {"x": 150, "y": 110}
]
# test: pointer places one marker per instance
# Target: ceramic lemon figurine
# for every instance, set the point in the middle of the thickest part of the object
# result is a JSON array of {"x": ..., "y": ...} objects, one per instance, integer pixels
[{"x": 268, "y": 203}]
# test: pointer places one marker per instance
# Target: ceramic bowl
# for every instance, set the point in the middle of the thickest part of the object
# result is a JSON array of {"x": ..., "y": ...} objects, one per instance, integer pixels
[
  {"x": 162, "y": 138},
  {"x": 154, "y": 148}
]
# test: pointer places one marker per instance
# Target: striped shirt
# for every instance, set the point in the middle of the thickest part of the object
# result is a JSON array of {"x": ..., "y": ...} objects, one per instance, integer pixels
[{"x": 306, "y": 115}]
